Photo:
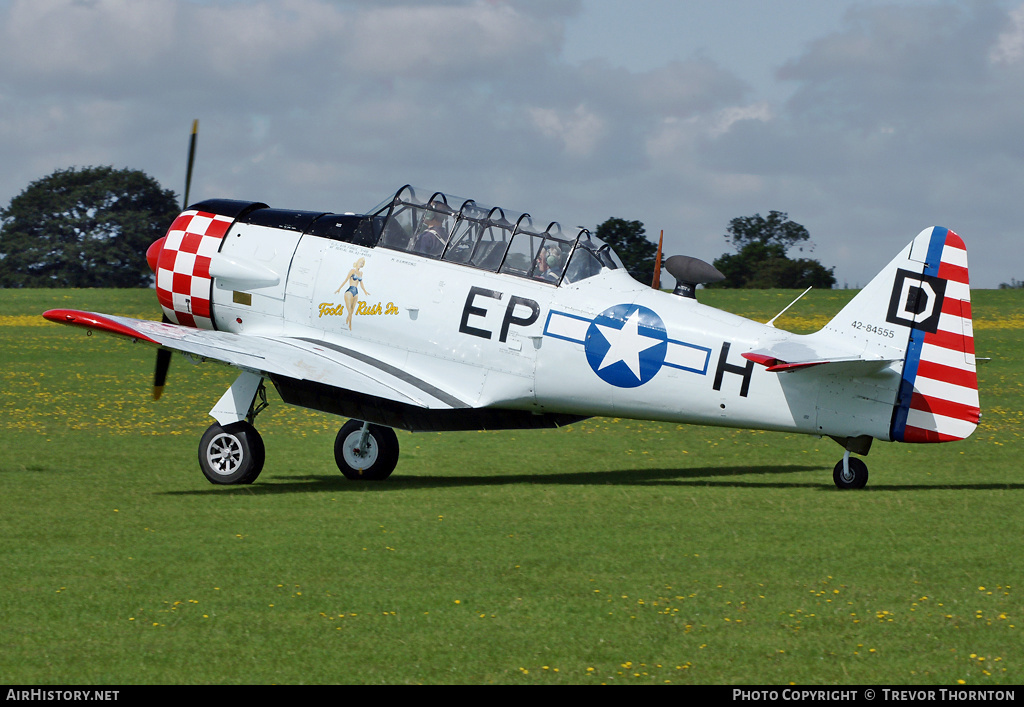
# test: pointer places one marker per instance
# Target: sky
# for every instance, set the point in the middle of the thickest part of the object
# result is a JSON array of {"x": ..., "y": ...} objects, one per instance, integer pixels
[{"x": 865, "y": 121}]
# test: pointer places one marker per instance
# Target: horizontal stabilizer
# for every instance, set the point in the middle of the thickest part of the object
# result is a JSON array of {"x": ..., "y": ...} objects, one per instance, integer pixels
[{"x": 774, "y": 364}]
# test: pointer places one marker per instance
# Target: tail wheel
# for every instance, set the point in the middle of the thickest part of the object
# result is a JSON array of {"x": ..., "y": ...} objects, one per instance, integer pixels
[
  {"x": 231, "y": 455},
  {"x": 856, "y": 477},
  {"x": 369, "y": 454}
]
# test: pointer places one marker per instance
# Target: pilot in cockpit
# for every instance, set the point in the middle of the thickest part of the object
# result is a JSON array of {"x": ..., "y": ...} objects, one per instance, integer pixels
[{"x": 431, "y": 239}]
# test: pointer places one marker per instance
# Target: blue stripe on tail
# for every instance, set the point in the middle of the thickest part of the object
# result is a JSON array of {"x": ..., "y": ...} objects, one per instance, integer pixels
[{"x": 913, "y": 357}]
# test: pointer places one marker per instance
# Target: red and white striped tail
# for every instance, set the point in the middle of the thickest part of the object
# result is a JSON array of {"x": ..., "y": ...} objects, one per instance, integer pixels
[{"x": 938, "y": 398}]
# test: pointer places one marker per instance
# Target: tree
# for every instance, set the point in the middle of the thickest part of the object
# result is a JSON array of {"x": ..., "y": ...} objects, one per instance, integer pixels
[
  {"x": 87, "y": 227},
  {"x": 761, "y": 260},
  {"x": 628, "y": 241},
  {"x": 777, "y": 229}
]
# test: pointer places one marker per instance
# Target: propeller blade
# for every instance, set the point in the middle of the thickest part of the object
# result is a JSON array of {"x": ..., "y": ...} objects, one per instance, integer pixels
[
  {"x": 163, "y": 362},
  {"x": 191, "y": 161},
  {"x": 163, "y": 356},
  {"x": 656, "y": 283}
]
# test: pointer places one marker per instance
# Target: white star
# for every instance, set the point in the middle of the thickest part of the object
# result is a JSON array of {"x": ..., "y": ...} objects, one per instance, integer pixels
[{"x": 625, "y": 344}]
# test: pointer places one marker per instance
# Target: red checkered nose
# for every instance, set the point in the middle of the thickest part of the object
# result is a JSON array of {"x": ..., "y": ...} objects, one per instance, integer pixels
[{"x": 183, "y": 282}]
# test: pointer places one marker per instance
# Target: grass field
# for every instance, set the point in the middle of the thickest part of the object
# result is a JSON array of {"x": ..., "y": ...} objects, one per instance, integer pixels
[{"x": 611, "y": 551}]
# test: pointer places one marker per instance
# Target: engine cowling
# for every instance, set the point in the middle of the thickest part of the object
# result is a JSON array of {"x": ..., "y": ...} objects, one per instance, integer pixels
[
  {"x": 183, "y": 282},
  {"x": 181, "y": 259}
]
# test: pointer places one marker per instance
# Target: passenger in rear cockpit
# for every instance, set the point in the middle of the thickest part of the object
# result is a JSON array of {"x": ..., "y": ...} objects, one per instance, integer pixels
[{"x": 549, "y": 263}]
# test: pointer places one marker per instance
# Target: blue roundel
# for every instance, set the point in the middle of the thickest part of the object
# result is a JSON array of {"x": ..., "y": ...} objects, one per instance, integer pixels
[{"x": 626, "y": 345}]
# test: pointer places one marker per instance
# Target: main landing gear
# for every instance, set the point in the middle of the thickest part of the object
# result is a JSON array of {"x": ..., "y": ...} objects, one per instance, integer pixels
[
  {"x": 231, "y": 455},
  {"x": 231, "y": 451}
]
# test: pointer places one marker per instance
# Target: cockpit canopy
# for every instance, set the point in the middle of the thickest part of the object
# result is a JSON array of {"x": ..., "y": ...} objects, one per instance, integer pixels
[{"x": 457, "y": 230}]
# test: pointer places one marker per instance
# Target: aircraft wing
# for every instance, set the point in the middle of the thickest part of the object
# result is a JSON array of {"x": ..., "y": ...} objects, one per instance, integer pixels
[{"x": 297, "y": 358}]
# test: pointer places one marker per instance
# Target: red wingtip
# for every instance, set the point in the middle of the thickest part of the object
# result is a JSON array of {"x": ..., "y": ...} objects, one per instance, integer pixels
[{"x": 98, "y": 322}]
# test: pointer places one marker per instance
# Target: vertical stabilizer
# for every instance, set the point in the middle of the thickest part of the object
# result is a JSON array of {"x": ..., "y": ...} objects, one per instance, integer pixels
[{"x": 921, "y": 303}]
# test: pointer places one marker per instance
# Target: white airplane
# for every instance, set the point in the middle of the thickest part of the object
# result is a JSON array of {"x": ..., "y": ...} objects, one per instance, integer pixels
[{"x": 432, "y": 312}]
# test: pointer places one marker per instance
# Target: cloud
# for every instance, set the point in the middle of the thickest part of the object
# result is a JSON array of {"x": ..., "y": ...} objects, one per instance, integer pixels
[
  {"x": 64, "y": 42},
  {"x": 891, "y": 64},
  {"x": 436, "y": 43},
  {"x": 448, "y": 82},
  {"x": 579, "y": 131},
  {"x": 158, "y": 45},
  {"x": 904, "y": 114},
  {"x": 1009, "y": 48}
]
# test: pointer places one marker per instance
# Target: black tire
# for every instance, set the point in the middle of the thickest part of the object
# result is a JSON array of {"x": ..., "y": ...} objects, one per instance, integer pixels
[
  {"x": 856, "y": 479},
  {"x": 232, "y": 454},
  {"x": 375, "y": 462}
]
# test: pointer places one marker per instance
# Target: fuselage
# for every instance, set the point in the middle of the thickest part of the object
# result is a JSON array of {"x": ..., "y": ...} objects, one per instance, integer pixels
[{"x": 502, "y": 338}]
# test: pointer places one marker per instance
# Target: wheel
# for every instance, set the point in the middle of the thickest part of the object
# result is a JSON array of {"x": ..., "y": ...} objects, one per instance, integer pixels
[
  {"x": 375, "y": 460},
  {"x": 232, "y": 454},
  {"x": 857, "y": 477}
]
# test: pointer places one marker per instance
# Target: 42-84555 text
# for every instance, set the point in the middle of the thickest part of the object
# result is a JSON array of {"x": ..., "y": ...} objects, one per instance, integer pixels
[{"x": 872, "y": 329}]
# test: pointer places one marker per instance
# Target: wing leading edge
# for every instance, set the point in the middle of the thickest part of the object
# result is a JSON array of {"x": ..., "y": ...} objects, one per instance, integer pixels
[{"x": 299, "y": 359}]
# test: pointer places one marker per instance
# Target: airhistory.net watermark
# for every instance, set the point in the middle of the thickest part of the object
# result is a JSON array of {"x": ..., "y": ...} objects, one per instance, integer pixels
[{"x": 50, "y": 695}]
